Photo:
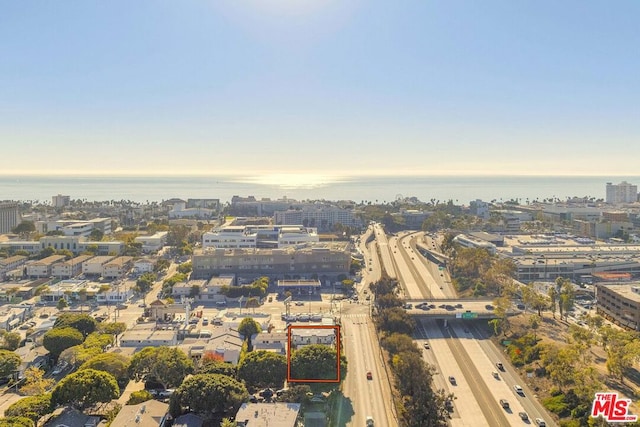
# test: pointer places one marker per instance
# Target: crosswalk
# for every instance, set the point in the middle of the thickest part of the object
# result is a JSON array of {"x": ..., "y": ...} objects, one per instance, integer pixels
[{"x": 356, "y": 316}]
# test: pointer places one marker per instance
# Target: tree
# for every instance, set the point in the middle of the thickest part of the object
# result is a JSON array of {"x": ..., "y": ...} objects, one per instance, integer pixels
[
  {"x": 10, "y": 340},
  {"x": 59, "y": 339},
  {"x": 139, "y": 396},
  {"x": 262, "y": 368},
  {"x": 185, "y": 268},
  {"x": 17, "y": 422},
  {"x": 212, "y": 363},
  {"x": 62, "y": 304},
  {"x": 161, "y": 265},
  {"x": 398, "y": 343},
  {"x": 24, "y": 228},
  {"x": 32, "y": 407},
  {"x": 208, "y": 393},
  {"x": 96, "y": 235},
  {"x": 113, "y": 328},
  {"x": 145, "y": 282},
  {"x": 317, "y": 361},
  {"x": 247, "y": 328},
  {"x": 114, "y": 363},
  {"x": 534, "y": 323},
  {"x": 165, "y": 365},
  {"x": 81, "y": 322},
  {"x": 253, "y": 303},
  {"x": 395, "y": 319},
  {"x": 553, "y": 297},
  {"x": 85, "y": 388},
  {"x": 9, "y": 363},
  {"x": 226, "y": 422},
  {"x": 35, "y": 383}
]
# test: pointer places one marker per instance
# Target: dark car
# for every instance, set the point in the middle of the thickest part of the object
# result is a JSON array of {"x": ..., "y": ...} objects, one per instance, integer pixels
[
  {"x": 523, "y": 416},
  {"x": 504, "y": 403},
  {"x": 452, "y": 380},
  {"x": 500, "y": 366}
]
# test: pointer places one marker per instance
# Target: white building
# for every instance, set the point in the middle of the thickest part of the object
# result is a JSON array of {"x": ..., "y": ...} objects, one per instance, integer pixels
[
  {"x": 621, "y": 193},
  {"x": 74, "y": 227},
  {"x": 479, "y": 208},
  {"x": 142, "y": 266},
  {"x": 308, "y": 336},
  {"x": 323, "y": 217},
  {"x": 148, "y": 338},
  {"x": 181, "y": 211},
  {"x": 153, "y": 243},
  {"x": 259, "y": 236},
  {"x": 9, "y": 216}
]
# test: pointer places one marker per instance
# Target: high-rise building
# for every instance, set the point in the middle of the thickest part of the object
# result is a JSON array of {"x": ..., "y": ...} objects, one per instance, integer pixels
[
  {"x": 61, "y": 201},
  {"x": 621, "y": 193},
  {"x": 9, "y": 216}
]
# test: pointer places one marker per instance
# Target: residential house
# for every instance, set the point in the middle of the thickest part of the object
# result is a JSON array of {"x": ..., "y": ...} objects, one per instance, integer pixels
[{"x": 151, "y": 413}]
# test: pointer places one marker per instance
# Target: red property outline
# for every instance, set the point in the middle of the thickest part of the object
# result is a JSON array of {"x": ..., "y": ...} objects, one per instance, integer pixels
[{"x": 338, "y": 343}]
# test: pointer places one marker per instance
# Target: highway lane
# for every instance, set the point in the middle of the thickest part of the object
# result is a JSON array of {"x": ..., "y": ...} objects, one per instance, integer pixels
[
  {"x": 468, "y": 410},
  {"x": 367, "y": 397}
]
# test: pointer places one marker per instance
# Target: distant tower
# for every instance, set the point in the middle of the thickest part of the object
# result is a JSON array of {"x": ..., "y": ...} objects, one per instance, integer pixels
[
  {"x": 9, "y": 216},
  {"x": 60, "y": 201}
]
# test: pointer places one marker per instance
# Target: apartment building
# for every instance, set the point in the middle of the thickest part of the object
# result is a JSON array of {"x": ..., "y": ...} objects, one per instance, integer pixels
[
  {"x": 259, "y": 236},
  {"x": 621, "y": 193},
  {"x": 69, "y": 268},
  {"x": 43, "y": 267},
  {"x": 322, "y": 217},
  {"x": 117, "y": 267},
  {"x": 11, "y": 263},
  {"x": 95, "y": 265}
]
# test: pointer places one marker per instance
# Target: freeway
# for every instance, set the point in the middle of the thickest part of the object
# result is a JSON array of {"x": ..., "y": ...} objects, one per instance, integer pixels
[{"x": 460, "y": 350}]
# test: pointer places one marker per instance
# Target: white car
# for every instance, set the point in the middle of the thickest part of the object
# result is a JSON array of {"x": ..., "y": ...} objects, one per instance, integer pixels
[{"x": 518, "y": 389}]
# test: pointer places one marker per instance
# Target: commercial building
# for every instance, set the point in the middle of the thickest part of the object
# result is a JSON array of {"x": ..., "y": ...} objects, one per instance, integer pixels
[
  {"x": 9, "y": 216},
  {"x": 620, "y": 304},
  {"x": 275, "y": 263},
  {"x": 75, "y": 227},
  {"x": 259, "y": 236},
  {"x": 479, "y": 208},
  {"x": 470, "y": 242},
  {"x": 140, "y": 338},
  {"x": 621, "y": 193},
  {"x": 78, "y": 244},
  {"x": 153, "y": 243}
]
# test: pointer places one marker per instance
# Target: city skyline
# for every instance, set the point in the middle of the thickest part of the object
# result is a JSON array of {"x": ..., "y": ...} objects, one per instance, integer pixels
[{"x": 281, "y": 89}]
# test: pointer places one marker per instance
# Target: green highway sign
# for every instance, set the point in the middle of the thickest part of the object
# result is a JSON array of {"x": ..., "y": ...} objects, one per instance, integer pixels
[{"x": 469, "y": 315}]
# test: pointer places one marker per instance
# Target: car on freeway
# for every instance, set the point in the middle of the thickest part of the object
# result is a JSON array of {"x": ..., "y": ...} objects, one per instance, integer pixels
[
  {"x": 299, "y": 303},
  {"x": 427, "y": 346},
  {"x": 495, "y": 375},
  {"x": 369, "y": 375},
  {"x": 540, "y": 422},
  {"x": 452, "y": 380},
  {"x": 523, "y": 416},
  {"x": 504, "y": 403},
  {"x": 500, "y": 366},
  {"x": 370, "y": 421},
  {"x": 518, "y": 389}
]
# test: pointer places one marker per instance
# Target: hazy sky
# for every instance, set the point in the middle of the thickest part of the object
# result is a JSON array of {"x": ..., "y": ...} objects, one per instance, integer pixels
[{"x": 320, "y": 86}]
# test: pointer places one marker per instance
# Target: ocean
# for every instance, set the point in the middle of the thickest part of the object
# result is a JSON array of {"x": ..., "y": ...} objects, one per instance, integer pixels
[{"x": 378, "y": 189}]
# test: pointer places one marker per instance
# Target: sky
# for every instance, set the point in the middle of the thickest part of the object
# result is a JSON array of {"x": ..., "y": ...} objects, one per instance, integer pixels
[{"x": 348, "y": 87}]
